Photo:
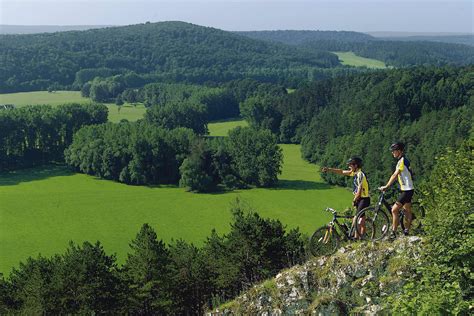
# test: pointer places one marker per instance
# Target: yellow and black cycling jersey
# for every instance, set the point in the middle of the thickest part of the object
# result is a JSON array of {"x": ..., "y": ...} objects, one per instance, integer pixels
[
  {"x": 360, "y": 178},
  {"x": 405, "y": 178}
]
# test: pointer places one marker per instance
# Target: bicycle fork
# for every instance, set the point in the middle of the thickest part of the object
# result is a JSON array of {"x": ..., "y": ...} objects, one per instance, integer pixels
[{"x": 327, "y": 235}]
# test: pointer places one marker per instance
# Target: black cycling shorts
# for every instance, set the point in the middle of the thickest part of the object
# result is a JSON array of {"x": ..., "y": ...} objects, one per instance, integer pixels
[
  {"x": 362, "y": 203},
  {"x": 405, "y": 197}
]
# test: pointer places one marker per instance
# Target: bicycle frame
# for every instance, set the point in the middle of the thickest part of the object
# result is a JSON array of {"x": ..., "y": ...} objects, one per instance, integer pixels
[
  {"x": 383, "y": 201},
  {"x": 347, "y": 232},
  {"x": 401, "y": 215}
]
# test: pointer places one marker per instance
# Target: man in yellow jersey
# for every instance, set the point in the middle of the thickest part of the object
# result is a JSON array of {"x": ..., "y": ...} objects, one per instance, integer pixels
[
  {"x": 360, "y": 186},
  {"x": 405, "y": 179}
]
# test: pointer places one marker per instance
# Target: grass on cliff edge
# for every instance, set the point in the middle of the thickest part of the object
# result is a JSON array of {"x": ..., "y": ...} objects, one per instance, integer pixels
[{"x": 41, "y": 209}]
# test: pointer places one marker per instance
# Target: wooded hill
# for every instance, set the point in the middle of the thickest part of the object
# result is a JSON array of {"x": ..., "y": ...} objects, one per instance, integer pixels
[
  {"x": 183, "y": 52},
  {"x": 428, "y": 108},
  {"x": 395, "y": 52},
  {"x": 177, "y": 51},
  {"x": 294, "y": 37}
]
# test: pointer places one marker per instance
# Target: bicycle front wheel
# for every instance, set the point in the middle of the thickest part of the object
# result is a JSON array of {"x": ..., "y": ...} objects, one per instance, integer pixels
[
  {"x": 372, "y": 224},
  {"x": 324, "y": 241}
]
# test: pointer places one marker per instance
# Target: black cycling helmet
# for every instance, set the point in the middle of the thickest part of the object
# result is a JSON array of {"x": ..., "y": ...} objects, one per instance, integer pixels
[
  {"x": 355, "y": 160},
  {"x": 397, "y": 146}
]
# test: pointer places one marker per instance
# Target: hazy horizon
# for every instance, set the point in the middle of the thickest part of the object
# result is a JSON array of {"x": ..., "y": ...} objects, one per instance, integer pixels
[{"x": 417, "y": 16}]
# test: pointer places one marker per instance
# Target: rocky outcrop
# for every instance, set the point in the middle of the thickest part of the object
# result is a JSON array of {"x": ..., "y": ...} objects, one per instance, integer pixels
[{"x": 356, "y": 279}]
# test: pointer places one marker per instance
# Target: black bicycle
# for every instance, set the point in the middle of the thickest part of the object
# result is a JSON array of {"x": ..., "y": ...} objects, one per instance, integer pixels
[
  {"x": 378, "y": 219},
  {"x": 325, "y": 240}
]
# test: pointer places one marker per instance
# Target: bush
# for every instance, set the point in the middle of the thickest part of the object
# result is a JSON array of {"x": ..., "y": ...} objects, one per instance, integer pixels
[{"x": 444, "y": 281}]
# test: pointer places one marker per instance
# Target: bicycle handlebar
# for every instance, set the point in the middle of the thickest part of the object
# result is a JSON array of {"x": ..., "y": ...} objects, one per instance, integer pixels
[{"x": 328, "y": 209}]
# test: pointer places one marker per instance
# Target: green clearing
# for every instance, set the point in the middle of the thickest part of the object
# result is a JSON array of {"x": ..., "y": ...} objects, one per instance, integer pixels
[
  {"x": 222, "y": 128},
  {"x": 127, "y": 111},
  {"x": 351, "y": 59},
  {"x": 43, "y": 97},
  {"x": 42, "y": 209}
]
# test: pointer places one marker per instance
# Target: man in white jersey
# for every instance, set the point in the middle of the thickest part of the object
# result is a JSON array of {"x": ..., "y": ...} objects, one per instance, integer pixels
[{"x": 405, "y": 180}]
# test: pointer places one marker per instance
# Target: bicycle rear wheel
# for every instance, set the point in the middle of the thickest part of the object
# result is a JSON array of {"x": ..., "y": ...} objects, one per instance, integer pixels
[
  {"x": 324, "y": 241},
  {"x": 377, "y": 223}
]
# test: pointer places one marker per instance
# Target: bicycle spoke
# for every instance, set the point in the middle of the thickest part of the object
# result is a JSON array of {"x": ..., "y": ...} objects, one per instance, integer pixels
[
  {"x": 376, "y": 223},
  {"x": 324, "y": 241}
]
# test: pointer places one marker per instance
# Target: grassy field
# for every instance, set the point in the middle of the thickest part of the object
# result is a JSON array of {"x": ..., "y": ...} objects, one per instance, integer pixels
[
  {"x": 222, "y": 128},
  {"x": 127, "y": 111},
  {"x": 351, "y": 59},
  {"x": 42, "y": 209},
  {"x": 42, "y": 97}
]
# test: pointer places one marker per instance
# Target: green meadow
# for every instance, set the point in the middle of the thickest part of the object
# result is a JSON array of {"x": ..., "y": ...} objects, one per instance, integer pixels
[
  {"x": 127, "y": 111},
  {"x": 351, "y": 59},
  {"x": 222, "y": 128},
  {"x": 42, "y": 209}
]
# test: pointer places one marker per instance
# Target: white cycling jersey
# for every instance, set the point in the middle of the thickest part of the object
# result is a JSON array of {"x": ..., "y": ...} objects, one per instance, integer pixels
[{"x": 405, "y": 178}]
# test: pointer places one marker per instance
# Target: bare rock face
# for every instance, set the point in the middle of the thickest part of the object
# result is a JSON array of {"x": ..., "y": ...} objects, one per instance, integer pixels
[{"x": 354, "y": 280}]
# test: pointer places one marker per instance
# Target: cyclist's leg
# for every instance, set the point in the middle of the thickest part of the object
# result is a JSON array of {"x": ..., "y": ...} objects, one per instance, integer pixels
[
  {"x": 408, "y": 215},
  {"x": 396, "y": 215},
  {"x": 363, "y": 203},
  {"x": 405, "y": 199}
]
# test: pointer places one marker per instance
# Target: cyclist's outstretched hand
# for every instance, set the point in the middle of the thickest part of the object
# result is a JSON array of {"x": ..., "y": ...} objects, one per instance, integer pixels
[
  {"x": 383, "y": 188},
  {"x": 324, "y": 169}
]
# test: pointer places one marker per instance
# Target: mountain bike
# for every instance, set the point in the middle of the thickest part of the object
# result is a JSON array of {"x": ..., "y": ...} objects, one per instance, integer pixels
[
  {"x": 378, "y": 218},
  {"x": 325, "y": 240}
]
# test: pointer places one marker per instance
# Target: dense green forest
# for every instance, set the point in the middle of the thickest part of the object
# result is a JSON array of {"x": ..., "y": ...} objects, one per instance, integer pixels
[
  {"x": 428, "y": 108},
  {"x": 36, "y": 135},
  {"x": 404, "y": 54},
  {"x": 454, "y": 39},
  {"x": 293, "y": 37},
  {"x": 175, "y": 51},
  {"x": 398, "y": 53},
  {"x": 220, "y": 102},
  {"x": 182, "y": 52},
  {"x": 144, "y": 153}
]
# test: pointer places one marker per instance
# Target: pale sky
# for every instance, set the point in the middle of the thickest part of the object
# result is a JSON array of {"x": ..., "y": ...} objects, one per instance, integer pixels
[{"x": 244, "y": 15}]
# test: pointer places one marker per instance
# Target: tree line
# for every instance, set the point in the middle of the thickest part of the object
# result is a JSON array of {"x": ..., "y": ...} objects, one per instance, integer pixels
[
  {"x": 404, "y": 53},
  {"x": 143, "y": 153},
  {"x": 178, "y": 278},
  {"x": 218, "y": 102},
  {"x": 35, "y": 135},
  {"x": 401, "y": 52},
  {"x": 428, "y": 108}
]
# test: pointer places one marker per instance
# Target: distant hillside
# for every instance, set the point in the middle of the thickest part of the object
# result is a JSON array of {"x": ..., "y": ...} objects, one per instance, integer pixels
[
  {"x": 458, "y": 39},
  {"x": 398, "y": 52},
  {"x": 176, "y": 50},
  {"x": 32, "y": 29},
  {"x": 299, "y": 37}
]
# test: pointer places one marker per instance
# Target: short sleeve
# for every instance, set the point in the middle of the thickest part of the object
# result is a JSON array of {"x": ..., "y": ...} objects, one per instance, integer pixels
[{"x": 401, "y": 164}]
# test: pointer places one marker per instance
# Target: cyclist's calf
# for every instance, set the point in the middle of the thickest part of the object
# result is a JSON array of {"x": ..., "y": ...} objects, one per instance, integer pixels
[{"x": 396, "y": 216}]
